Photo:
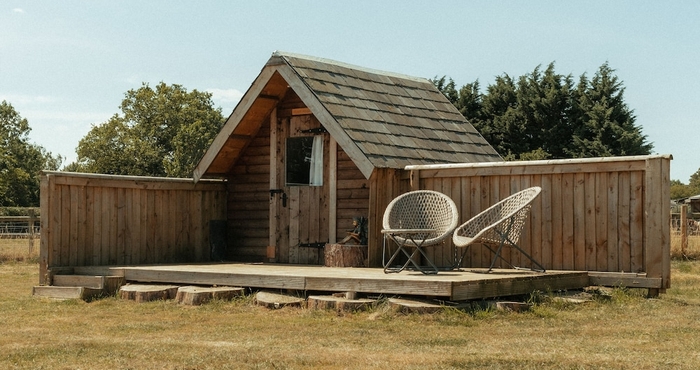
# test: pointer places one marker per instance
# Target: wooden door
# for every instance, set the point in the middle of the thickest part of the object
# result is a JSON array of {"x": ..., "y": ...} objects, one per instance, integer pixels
[{"x": 298, "y": 210}]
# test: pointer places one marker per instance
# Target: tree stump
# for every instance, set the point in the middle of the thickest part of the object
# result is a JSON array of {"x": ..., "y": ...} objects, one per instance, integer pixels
[
  {"x": 272, "y": 300},
  {"x": 339, "y": 303},
  {"x": 341, "y": 255},
  {"x": 413, "y": 306},
  {"x": 146, "y": 293},
  {"x": 194, "y": 295}
]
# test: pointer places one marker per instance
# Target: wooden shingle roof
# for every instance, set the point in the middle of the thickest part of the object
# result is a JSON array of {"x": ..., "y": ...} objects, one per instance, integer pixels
[{"x": 381, "y": 119}]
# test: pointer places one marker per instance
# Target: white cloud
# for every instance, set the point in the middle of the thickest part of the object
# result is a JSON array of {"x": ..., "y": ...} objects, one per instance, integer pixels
[
  {"x": 18, "y": 10},
  {"x": 83, "y": 118},
  {"x": 27, "y": 99},
  {"x": 226, "y": 95}
]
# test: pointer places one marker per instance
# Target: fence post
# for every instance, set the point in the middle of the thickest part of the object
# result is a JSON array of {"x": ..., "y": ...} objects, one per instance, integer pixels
[
  {"x": 30, "y": 230},
  {"x": 684, "y": 229}
]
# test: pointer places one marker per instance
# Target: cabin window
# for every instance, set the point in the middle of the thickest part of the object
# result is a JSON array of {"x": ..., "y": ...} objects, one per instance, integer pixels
[{"x": 304, "y": 161}]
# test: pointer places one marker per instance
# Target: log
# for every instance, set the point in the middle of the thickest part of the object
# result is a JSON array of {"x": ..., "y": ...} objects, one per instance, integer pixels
[
  {"x": 146, "y": 293},
  {"x": 272, "y": 300},
  {"x": 341, "y": 255},
  {"x": 413, "y": 306},
  {"x": 195, "y": 295},
  {"x": 339, "y": 303}
]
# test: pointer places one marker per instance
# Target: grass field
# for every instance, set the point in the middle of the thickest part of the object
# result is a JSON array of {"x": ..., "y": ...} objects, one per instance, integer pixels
[{"x": 620, "y": 329}]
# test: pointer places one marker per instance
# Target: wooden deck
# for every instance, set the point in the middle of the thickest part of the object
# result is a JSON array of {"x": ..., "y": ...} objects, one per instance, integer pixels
[{"x": 452, "y": 285}]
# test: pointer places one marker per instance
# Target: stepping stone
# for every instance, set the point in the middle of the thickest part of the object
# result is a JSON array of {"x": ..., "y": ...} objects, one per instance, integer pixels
[
  {"x": 413, "y": 305},
  {"x": 146, "y": 293},
  {"x": 197, "y": 295},
  {"x": 273, "y": 300},
  {"x": 339, "y": 303}
]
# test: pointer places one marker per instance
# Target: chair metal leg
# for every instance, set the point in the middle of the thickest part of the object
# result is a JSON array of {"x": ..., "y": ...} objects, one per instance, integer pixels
[{"x": 411, "y": 257}]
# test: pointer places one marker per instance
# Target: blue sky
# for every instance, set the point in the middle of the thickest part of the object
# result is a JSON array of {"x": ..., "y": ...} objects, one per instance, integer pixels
[{"x": 66, "y": 65}]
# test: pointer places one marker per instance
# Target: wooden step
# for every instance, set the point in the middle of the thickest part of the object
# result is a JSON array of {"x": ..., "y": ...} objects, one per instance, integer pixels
[
  {"x": 414, "y": 305},
  {"x": 197, "y": 295},
  {"x": 109, "y": 284},
  {"x": 274, "y": 300},
  {"x": 339, "y": 303},
  {"x": 66, "y": 292},
  {"x": 146, "y": 293}
]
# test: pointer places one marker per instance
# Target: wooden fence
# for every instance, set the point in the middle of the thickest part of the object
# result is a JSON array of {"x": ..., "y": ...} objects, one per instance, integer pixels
[
  {"x": 97, "y": 220},
  {"x": 605, "y": 215},
  {"x": 20, "y": 227}
]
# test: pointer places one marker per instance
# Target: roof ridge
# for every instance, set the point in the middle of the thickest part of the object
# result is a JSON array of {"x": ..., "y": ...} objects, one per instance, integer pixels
[{"x": 283, "y": 54}]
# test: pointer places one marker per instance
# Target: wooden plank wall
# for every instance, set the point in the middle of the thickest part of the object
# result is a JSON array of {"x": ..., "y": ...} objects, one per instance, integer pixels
[
  {"x": 249, "y": 200},
  {"x": 352, "y": 194},
  {"x": 96, "y": 220},
  {"x": 600, "y": 214}
]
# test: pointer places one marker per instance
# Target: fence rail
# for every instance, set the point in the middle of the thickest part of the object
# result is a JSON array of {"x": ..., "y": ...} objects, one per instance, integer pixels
[{"x": 19, "y": 226}]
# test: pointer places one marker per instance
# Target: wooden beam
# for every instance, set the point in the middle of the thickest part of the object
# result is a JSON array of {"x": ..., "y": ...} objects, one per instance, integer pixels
[
  {"x": 134, "y": 182},
  {"x": 233, "y": 121},
  {"x": 630, "y": 280},
  {"x": 577, "y": 165},
  {"x": 272, "y": 247},
  {"x": 333, "y": 191},
  {"x": 300, "y": 111},
  {"x": 268, "y": 97}
]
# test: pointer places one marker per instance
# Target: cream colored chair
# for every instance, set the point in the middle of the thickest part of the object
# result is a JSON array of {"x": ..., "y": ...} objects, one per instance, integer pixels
[
  {"x": 416, "y": 220},
  {"x": 498, "y": 226}
]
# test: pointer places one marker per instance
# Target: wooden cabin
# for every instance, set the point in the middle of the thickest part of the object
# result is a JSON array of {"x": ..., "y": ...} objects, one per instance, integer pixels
[{"x": 315, "y": 143}]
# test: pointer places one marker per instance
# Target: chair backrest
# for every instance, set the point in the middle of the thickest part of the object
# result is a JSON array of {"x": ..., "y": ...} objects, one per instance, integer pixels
[
  {"x": 423, "y": 209},
  {"x": 516, "y": 206}
]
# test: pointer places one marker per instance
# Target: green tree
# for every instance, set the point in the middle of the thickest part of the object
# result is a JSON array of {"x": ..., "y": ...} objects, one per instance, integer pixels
[
  {"x": 604, "y": 125},
  {"x": 680, "y": 190},
  {"x": 694, "y": 183},
  {"x": 160, "y": 132},
  {"x": 543, "y": 115},
  {"x": 20, "y": 160}
]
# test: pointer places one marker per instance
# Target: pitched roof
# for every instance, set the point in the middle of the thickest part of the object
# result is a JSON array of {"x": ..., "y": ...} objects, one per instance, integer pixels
[{"x": 381, "y": 119}]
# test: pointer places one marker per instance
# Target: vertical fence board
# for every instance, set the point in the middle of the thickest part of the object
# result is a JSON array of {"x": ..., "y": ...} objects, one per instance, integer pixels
[
  {"x": 65, "y": 232},
  {"x": 567, "y": 226},
  {"x": 623, "y": 224},
  {"x": 547, "y": 198},
  {"x": 137, "y": 222},
  {"x": 82, "y": 236},
  {"x": 580, "y": 225},
  {"x": 74, "y": 224},
  {"x": 97, "y": 226},
  {"x": 557, "y": 239},
  {"x": 46, "y": 226},
  {"x": 613, "y": 218},
  {"x": 601, "y": 210},
  {"x": 121, "y": 226},
  {"x": 591, "y": 221}
]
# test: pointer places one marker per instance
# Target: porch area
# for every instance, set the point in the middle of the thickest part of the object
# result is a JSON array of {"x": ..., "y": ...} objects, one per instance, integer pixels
[{"x": 456, "y": 285}]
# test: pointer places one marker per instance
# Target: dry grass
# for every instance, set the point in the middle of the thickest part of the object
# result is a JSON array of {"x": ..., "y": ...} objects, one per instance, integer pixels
[
  {"x": 18, "y": 250},
  {"x": 619, "y": 330},
  {"x": 693, "y": 250}
]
